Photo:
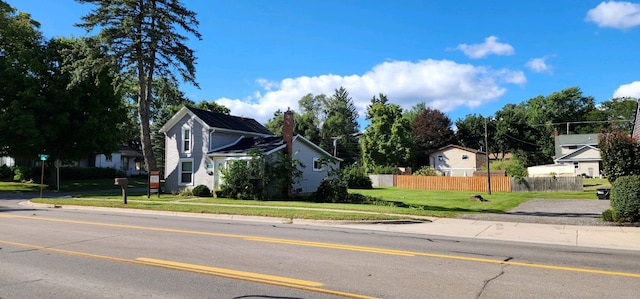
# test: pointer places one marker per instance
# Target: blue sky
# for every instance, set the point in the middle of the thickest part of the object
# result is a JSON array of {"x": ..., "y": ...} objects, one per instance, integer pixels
[{"x": 461, "y": 57}]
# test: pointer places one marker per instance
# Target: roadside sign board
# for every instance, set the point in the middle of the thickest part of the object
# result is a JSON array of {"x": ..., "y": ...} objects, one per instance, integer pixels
[
  {"x": 154, "y": 183},
  {"x": 43, "y": 157}
]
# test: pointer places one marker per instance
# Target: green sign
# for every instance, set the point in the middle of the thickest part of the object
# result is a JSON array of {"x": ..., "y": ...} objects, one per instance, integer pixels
[{"x": 43, "y": 157}]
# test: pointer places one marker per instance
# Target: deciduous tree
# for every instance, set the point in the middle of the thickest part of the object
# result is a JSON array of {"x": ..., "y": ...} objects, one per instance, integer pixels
[{"x": 387, "y": 141}]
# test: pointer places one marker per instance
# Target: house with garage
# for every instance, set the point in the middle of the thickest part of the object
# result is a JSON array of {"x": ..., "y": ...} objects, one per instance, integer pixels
[
  {"x": 575, "y": 155},
  {"x": 580, "y": 151},
  {"x": 200, "y": 143},
  {"x": 455, "y": 160}
]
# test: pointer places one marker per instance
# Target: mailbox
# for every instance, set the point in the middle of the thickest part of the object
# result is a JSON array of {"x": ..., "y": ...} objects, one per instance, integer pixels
[{"x": 122, "y": 182}]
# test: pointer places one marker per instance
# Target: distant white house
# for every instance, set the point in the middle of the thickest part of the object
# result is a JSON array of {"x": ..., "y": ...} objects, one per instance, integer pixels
[
  {"x": 124, "y": 159},
  {"x": 7, "y": 161},
  {"x": 575, "y": 154}
]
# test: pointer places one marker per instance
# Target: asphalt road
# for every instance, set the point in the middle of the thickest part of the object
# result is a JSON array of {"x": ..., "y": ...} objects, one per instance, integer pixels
[{"x": 53, "y": 253}]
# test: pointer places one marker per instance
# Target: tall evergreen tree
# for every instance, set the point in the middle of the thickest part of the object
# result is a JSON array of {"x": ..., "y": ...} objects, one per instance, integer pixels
[
  {"x": 341, "y": 125},
  {"x": 146, "y": 40}
]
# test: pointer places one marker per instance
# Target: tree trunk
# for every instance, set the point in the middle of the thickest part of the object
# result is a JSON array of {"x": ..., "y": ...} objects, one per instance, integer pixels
[{"x": 145, "y": 130}]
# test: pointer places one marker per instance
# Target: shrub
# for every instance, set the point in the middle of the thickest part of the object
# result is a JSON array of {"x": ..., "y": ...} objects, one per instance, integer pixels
[
  {"x": 22, "y": 173},
  {"x": 185, "y": 192},
  {"x": 513, "y": 167},
  {"x": 332, "y": 190},
  {"x": 609, "y": 215},
  {"x": 426, "y": 171},
  {"x": 356, "y": 178},
  {"x": 6, "y": 173},
  {"x": 625, "y": 198},
  {"x": 201, "y": 191}
]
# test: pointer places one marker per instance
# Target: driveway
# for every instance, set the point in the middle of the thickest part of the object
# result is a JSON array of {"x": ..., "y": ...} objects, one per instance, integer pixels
[{"x": 551, "y": 211}]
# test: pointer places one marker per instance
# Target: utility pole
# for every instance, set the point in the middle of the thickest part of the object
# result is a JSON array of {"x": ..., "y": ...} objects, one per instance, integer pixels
[
  {"x": 486, "y": 145},
  {"x": 335, "y": 145}
]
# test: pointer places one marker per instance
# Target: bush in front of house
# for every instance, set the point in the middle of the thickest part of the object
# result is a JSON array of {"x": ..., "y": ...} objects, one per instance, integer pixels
[
  {"x": 426, "y": 171},
  {"x": 201, "y": 191},
  {"x": 625, "y": 198},
  {"x": 332, "y": 189},
  {"x": 356, "y": 178}
]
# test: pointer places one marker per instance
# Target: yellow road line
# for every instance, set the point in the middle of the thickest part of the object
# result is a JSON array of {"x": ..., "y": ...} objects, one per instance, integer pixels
[
  {"x": 305, "y": 285},
  {"x": 228, "y": 272},
  {"x": 340, "y": 246}
]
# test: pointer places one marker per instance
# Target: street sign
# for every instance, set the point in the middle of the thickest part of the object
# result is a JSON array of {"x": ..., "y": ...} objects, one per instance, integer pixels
[{"x": 43, "y": 157}]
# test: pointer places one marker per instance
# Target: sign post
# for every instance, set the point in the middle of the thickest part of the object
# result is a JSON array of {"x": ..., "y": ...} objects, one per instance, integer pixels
[
  {"x": 43, "y": 157},
  {"x": 154, "y": 183}
]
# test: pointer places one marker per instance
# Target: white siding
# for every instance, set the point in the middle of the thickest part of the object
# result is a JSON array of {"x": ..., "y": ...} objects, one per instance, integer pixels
[
  {"x": 173, "y": 154},
  {"x": 310, "y": 178}
]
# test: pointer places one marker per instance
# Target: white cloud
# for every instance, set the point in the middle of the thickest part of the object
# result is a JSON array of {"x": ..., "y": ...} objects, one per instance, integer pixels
[
  {"x": 539, "y": 65},
  {"x": 615, "y": 14},
  {"x": 628, "y": 90},
  {"x": 490, "y": 46},
  {"x": 441, "y": 84}
]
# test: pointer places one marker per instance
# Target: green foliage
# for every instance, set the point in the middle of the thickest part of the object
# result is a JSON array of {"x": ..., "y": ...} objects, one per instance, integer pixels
[
  {"x": 6, "y": 173},
  {"x": 470, "y": 132},
  {"x": 620, "y": 155},
  {"x": 610, "y": 216},
  {"x": 145, "y": 39},
  {"x": 342, "y": 123},
  {"x": 377, "y": 169},
  {"x": 201, "y": 191},
  {"x": 432, "y": 130},
  {"x": 332, "y": 189},
  {"x": 426, "y": 171},
  {"x": 513, "y": 167},
  {"x": 259, "y": 177},
  {"x": 23, "y": 173},
  {"x": 356, "y": 178},
  {"x": 388, "y": 140},
  {"x": 625, "y": 198}
]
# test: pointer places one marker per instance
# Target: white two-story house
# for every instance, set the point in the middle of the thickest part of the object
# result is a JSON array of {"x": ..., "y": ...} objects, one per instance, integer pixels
[{"x": 198, "y": 144}]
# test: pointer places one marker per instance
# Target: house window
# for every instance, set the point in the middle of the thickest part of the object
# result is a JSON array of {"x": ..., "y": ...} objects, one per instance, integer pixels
[
  {"x": 317, "y": 164},
  {"x": 186, "y": 140},
  {"x": 186, "y": 172},
  {"x": 108, "y": 158},
  {"x": 465, "y": 157},
  {"x": 576, "y": 165},
  {"x": 572, "y": 147},
  {"x": 440, "y": 158}
]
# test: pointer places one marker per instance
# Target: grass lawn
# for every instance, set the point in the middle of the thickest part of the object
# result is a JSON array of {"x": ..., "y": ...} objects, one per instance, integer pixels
[
  {"x": 394, "y": 202},
  {"x": 73, "y": 185}
]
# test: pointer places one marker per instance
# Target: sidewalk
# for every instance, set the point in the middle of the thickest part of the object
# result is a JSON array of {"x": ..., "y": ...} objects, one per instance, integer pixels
[{"x": 610, "y": 237}]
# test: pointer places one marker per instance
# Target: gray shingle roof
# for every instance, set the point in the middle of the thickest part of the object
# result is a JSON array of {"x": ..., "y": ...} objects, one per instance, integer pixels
[
  {"x": 246, "y": 144},
  {"x": 230, "y": 122}
]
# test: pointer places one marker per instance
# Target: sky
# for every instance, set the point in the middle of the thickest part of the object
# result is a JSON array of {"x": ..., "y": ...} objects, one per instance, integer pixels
[{"x": 461, "y": 57}]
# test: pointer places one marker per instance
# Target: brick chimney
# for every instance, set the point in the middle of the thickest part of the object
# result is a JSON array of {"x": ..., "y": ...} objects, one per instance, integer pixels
[{"x": 287, "y": 131}]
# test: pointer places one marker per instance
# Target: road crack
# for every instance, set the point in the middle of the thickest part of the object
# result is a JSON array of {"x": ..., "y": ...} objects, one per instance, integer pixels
[{"x": 488, "y": 281}]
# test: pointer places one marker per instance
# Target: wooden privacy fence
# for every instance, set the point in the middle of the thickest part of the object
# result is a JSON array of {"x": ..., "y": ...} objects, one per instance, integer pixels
[{"x": 453, "y": 183}]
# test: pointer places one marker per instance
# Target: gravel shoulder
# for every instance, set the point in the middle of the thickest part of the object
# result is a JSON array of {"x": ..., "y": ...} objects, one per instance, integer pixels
[{"x": 551, "y": 211}]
